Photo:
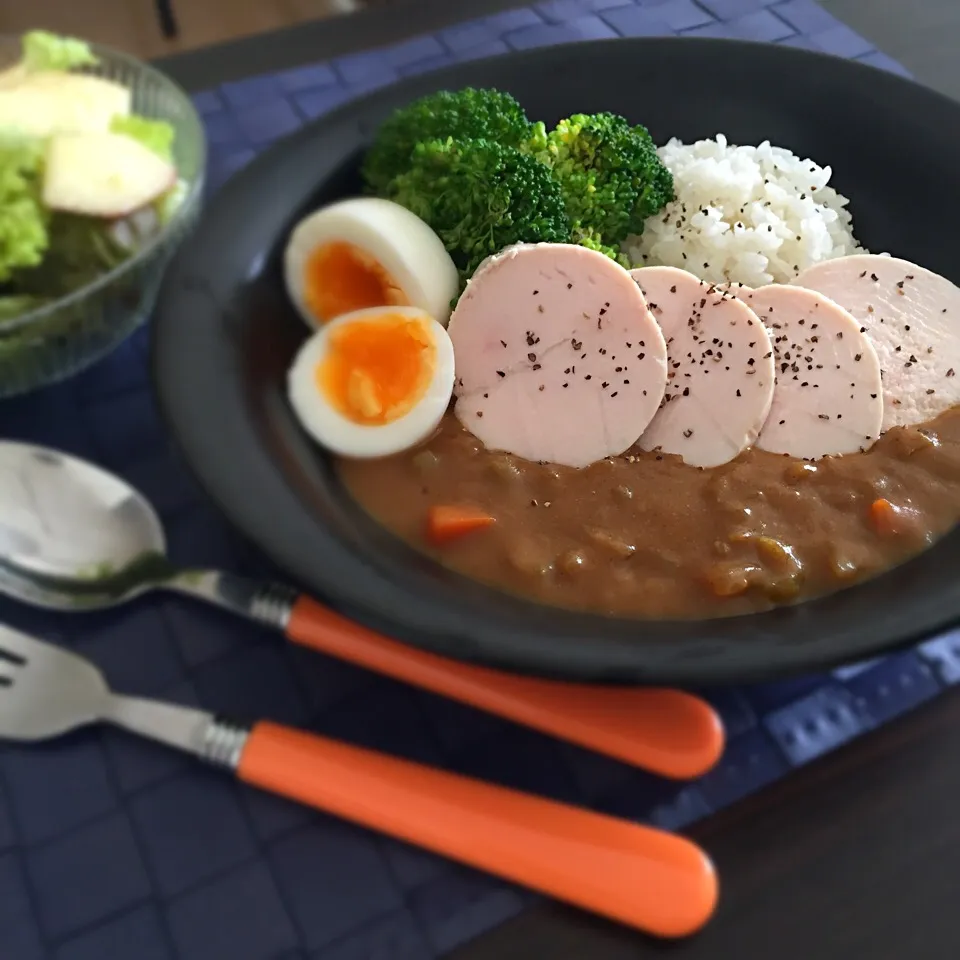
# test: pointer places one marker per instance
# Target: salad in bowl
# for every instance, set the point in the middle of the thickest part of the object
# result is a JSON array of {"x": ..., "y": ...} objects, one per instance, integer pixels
[{"x": 101, "y": 169}]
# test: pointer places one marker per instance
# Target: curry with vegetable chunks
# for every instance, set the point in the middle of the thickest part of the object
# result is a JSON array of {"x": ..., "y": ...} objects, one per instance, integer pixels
[{"x": 645, "y": 535}]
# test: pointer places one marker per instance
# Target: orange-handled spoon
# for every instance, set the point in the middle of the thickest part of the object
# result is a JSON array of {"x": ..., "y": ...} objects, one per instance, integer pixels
[
  {"x": 668, "y": 732},
  {"x": 640, "y": 876},
  {"x": 662, "y": 884},
  {"x": 103, "y": 524}
]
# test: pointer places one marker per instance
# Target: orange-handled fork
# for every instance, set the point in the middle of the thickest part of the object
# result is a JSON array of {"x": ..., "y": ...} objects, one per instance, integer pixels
[{"x": 640, "y": 876}]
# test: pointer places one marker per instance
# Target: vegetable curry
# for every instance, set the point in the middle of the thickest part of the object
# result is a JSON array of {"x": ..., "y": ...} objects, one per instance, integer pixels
[{"x": 645, "y": 535}]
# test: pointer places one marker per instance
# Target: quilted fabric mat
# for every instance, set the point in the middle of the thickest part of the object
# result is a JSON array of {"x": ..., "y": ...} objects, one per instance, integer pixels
[{"x": 115, "y": 849}]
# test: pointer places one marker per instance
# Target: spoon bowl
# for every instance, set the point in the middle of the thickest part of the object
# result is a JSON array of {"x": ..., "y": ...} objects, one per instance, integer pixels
[{"x": 68, "y": 528}]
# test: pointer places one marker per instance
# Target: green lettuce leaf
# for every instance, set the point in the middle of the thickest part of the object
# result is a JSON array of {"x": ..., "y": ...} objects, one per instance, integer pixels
[
  {"x": 155, "y": 135},
  {"x": 24, "y": 235},
  {"x": 48, "y": 51}
]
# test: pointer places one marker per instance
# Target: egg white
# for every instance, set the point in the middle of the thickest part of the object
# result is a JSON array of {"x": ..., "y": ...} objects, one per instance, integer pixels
[
  {"x": 344, "y": 437},
  {"x": 407, "y": 249}
]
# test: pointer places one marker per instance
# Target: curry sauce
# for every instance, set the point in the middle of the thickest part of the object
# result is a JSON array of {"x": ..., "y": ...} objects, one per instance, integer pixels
[{"x": 645, "y": 535}]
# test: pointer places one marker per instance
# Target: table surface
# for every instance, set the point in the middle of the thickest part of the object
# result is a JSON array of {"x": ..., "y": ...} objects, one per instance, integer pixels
[{"x": 856, "y": 855}]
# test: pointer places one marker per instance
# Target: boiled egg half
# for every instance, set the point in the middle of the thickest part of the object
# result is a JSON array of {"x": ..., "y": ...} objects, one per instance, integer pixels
[
  {"x": 367, "y": 252},
  {"x": 373, "y": 382}
]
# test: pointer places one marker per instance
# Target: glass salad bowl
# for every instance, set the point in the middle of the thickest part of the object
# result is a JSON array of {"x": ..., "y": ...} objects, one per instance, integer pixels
[{"x": 45, "y": 342}]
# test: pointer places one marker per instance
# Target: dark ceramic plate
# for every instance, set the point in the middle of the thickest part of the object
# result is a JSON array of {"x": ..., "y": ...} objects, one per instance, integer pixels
[{"x": 225, "y": 334}]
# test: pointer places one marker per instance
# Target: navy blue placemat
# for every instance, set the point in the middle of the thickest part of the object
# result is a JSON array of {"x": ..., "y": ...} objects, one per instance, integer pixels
[{"x": 114, "y": 849}]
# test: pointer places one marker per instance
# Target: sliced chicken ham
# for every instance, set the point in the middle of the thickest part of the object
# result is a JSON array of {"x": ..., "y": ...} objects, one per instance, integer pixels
[
  {"x": 720, "y": 369},
  {"x": 912, "y": 317},
  {"x": 558, "y": 358},
  {"x": 828, "y": 398}
]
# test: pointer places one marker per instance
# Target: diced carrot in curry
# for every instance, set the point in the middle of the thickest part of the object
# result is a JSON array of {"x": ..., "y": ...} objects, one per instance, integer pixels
[
  {"x": 445, "y": 523},
  {"x": 890, "y": 520}
]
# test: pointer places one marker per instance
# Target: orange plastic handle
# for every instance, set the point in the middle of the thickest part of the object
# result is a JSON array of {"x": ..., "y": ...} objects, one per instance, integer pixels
[
  {"x": 668, "y": 732},
  {"x": 649, "y": 879}
]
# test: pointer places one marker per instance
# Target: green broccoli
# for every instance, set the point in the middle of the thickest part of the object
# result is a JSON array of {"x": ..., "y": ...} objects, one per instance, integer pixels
[
  {"x": 611, "y": 176},
  {"x": 481, "y": 196},
  {"x": 467, "y": 114},
  {"x": 593, "y": 241}
]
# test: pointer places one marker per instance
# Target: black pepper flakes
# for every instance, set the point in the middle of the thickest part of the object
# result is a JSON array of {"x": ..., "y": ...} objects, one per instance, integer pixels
[
  {"x": 503, "y": 343},
  {"x": 531, "y": 357},
  {"x": 500, "y": 373}
]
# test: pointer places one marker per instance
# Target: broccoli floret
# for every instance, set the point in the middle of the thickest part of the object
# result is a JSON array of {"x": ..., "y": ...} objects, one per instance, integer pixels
[
  {"x": 611, "y": 176},
  {"x": 467, "y": 114},
  {"x": 481, "y": 196},
  {"x": 593, "y": 241}
]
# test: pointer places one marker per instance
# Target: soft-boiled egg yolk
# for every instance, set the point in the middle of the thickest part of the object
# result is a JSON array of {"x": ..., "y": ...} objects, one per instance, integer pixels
[
  {"x": 367, "y": 252},
  {"x": 377, "y": 370},
  {"x": 373, "y": 382},
  {"x": 341, "y": 278}
]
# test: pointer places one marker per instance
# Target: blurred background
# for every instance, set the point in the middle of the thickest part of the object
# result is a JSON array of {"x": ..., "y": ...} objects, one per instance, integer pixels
[
  {"x": 134, "y": 25},
  {"x": 924, "y": 35}
]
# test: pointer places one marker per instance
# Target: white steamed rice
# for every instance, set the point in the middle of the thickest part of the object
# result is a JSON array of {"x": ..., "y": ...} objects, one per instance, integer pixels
[{"x": 750, "y": 215}]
